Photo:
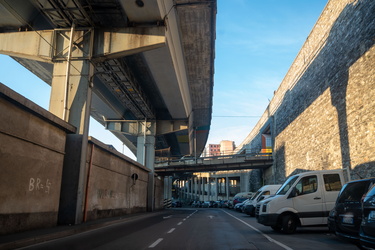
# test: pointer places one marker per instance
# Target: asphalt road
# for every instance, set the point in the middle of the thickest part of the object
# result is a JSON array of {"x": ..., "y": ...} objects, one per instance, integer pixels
[{"x": 201, "y": 228}]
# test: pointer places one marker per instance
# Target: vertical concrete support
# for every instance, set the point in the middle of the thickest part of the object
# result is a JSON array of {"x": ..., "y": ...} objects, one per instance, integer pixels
[
  {"x": 146, "y": 156},
  {"x": 216, "y": 189},
  {"x": 200, "y": 181},
  {"x": 71, "y": 201},
  {"x": 71, "y": 101},
  {"x": 227, "y": 187},
  {"x": 245, "y": 182},
  {"x": 71, "y": 96},
  {"x": 166, "y": 187},
  {"x": 195, "y": 188},
  {"x": 208, "y": 188}
]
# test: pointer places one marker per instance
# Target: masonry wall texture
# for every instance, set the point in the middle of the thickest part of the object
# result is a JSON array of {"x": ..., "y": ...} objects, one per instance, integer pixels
[{"x": 324, "y": 110}]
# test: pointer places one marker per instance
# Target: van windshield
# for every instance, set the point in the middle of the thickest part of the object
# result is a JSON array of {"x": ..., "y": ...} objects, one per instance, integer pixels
[
  {"x": 255, "y": 195},
  {"x": 287, "y": 185}
]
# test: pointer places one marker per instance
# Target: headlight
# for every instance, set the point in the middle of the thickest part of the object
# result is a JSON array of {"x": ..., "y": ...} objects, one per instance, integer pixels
[
  {"x": 332, "y": 213},
  {"x": 264, "y": 207}
]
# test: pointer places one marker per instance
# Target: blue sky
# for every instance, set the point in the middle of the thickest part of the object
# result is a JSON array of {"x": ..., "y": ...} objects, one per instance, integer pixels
[{"x": 256, "y": 42}]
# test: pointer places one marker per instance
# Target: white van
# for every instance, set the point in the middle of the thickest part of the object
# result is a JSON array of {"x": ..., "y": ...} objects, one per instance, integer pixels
[
  {"x": 262, "y": 193},
  {"x": 304, "y": 199}
]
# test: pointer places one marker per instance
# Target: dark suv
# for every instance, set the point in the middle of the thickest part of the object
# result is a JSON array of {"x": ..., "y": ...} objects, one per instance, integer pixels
[
  {"x": 367, "y": 231},
  {"x": 345, "y": 218}
]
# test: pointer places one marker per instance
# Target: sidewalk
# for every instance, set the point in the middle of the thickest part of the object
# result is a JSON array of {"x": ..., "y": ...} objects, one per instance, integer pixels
[{"x": 23, "y": 239}]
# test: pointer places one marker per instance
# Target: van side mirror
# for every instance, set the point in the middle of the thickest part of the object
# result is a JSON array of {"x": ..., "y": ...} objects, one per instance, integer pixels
[{"x": 293, "y": 193}]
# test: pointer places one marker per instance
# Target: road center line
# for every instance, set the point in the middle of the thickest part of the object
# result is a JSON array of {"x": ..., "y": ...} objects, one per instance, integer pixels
[
  {"x": 265, "y": 235},
  {"x": 170, "y": 231},
  {"x": 179, "y": 223},
  {"x": 155, "y": 243}
]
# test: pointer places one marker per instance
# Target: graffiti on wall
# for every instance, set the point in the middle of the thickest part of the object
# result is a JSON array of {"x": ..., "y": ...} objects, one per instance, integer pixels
[{"x": 39, "y": 185}]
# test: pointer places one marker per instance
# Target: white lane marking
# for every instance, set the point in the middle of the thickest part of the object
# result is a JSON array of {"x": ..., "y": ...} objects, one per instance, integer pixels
[
  {"x": 167, "y": 217},
  {"x": 155, "y": 243},
  {"x": 210, "y": 217},
  {"x": 170, "y": 231},
  {"x": 265, "y": 235},
  {"x": 179, "y": 223},
  {"x": 193, "y": 212}
]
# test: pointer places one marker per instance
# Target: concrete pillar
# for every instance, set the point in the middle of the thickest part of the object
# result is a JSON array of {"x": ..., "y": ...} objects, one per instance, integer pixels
[
  {"x": 166, "y": 178},
  {"x": 71, "y": 101},
  {"x": 197, "y": 188},
  {"x": 146, "y": 156},
  {"x": 227, "y": 187},
  {"x": 216, "y": 189},
  {"x": 201, "y": 188},
  {"x": 208, "y": 188}
]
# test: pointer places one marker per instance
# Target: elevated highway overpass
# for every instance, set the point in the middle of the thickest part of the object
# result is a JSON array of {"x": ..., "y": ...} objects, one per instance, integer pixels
[{"x": 141, "y": 68}]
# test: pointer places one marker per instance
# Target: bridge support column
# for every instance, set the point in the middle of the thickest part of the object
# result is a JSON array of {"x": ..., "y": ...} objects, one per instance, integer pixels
[
  {"x": 227, "y": 187},
  {"x": 71, "y": 101},
  {"x": 215, "y": 186},
  {"x": 146, "y": 156},
  {"x": 196, "y": 197}
]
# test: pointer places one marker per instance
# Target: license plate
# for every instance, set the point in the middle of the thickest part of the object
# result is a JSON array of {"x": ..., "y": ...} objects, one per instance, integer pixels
[
  {"x": 347, "y": 220},
  {"x": 371, "y": 215}
]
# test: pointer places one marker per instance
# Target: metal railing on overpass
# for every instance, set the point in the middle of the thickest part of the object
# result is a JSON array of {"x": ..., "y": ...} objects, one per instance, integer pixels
[{"x": 215, "y": 163}]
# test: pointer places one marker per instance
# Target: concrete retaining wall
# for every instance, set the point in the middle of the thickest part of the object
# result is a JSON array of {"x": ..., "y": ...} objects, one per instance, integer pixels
[
  {"x": 38, "y": 180},
  {"x": 117, "y": 185},
  {"x": 32, "y": 144},
  {"x": 323, "y": 114}
]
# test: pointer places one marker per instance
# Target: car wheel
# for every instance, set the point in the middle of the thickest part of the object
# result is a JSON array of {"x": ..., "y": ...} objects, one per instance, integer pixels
[
  {"x": 289, "y": 224},
  {"x": 276, "y": 228}
]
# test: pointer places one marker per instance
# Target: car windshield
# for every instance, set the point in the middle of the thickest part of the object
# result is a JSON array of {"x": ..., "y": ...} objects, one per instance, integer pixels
[
  {"x": 371, "y": 192},
  {"x": 287, "y": 185},
  {"x": 353, "y": 192}
]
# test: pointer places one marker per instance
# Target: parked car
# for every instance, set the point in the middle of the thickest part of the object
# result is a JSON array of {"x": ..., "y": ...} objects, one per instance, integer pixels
[
  {"x": 238, "y": 200},
  {"x": 367, "y": 228},
  {"x": 262, "y": 193},
  {"x": 214, "y": 204},
  {"x": 177, "y": 204},
  {"x": 303, "y": 200},
  {"x": 239, "y": 205},
  {"x": 205, "y": 204},
  {"x": 224, "y": 204},
  {"x": 345, "y": 218},
  {"x": 243, "y": 195}
]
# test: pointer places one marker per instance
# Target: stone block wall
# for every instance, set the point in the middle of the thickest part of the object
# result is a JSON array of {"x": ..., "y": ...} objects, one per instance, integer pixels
[
  {"x": 326, "y": 117},
  {"x": 323, "y": 113}
]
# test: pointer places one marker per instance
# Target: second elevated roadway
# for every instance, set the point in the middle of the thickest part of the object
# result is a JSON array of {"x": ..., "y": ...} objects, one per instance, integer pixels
[{"x": 214, "y": 163}]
